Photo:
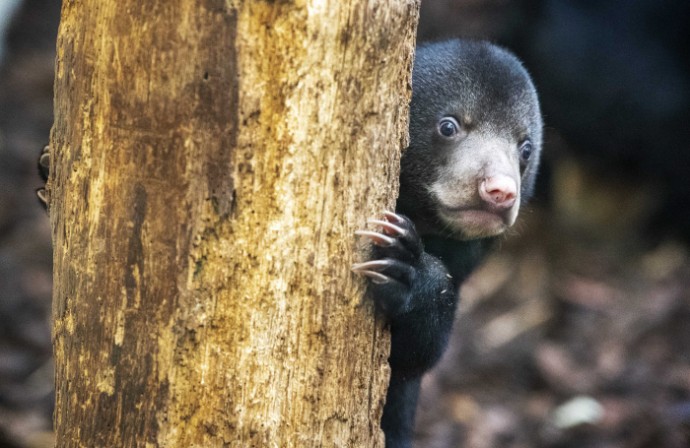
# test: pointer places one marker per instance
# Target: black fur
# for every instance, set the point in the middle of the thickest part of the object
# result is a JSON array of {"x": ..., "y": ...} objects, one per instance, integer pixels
[{"x": 420, "y": 258}]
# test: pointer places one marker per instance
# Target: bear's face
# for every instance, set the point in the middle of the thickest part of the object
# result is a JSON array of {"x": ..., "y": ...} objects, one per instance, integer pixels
[
  {"x": 475, "y": 141},
  {"x": 476, "y": 191}
]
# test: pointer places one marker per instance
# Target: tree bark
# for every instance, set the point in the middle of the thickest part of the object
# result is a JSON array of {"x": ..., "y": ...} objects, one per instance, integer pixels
[{"x": 211, "y": 161}]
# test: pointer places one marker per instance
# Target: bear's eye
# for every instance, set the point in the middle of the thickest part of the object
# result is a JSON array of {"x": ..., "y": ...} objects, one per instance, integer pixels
[
  {"x": 525, "y": 150},
  {"x": 448, "y": 127}
]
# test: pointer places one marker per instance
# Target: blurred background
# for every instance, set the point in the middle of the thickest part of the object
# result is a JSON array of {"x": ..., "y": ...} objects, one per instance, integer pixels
[
  {"x": 575, "y": 333},
  {"x": 28, "y": 29}
]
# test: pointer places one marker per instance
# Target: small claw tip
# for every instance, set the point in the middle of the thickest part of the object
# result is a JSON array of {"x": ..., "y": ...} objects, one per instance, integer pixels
[
  {"x": 372, "y": 265},
  {"x": 375, "y": 277},
  {"x": 393, "y": 217},
  {"x": 41, "y": 193},
  {"x": 380, "y": 281},
  {"x": 44, "y": 160},
  {"x": 377, "y": 238},
  {"x": 388, "y": 227},
  {"x": 356, "y": 267}
]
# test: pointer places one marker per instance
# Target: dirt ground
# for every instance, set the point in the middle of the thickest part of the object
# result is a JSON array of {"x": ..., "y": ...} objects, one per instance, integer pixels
[{"x": 574, "y": 333}]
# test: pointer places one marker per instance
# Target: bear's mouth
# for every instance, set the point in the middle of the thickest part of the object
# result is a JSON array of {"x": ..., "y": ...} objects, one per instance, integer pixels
[
  {"x": 477, "y": 221},
  {"x": 479, "y": 208}
]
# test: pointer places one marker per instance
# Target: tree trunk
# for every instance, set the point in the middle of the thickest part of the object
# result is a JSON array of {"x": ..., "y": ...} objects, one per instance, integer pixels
[{"x": 211, "y": 161}]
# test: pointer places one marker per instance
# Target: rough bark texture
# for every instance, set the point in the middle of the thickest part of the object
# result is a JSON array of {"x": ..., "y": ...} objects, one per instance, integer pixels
[{"x": 211, "y": 161}]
